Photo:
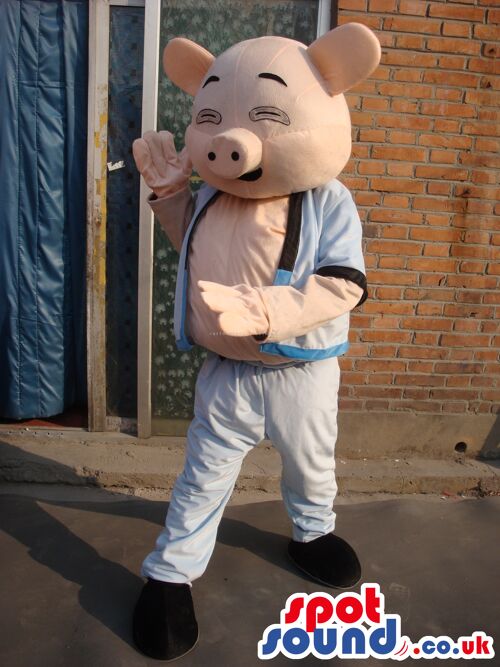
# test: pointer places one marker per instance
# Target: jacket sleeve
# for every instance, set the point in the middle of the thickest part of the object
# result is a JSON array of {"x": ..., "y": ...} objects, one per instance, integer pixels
[
  {"x": 174, "y": 213},
  {"x": 338, "y": 284}
]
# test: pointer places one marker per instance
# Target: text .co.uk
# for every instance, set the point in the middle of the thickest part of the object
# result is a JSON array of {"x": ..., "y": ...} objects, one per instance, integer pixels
[{"x": 353, "y": 625}]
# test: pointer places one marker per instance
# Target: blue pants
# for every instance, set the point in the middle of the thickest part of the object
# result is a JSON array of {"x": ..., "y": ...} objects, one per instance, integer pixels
[{"x": 238, "y": 404}]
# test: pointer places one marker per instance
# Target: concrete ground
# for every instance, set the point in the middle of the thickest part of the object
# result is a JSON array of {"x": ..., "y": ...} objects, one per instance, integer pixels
[{"x": 70, "y": 559}]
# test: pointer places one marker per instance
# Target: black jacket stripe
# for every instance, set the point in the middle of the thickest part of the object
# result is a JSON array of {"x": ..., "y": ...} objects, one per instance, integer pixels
[
  {"x": 292, "y": 236},
  {"x": 348, "y": 273}
]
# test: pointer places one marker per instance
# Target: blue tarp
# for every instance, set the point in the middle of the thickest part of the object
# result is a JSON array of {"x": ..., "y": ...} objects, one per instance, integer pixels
[{"x": 43, "y": 111}]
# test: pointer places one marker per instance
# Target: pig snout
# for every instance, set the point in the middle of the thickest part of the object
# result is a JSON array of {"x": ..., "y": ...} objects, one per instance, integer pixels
[{"x": 234, "y": 153}]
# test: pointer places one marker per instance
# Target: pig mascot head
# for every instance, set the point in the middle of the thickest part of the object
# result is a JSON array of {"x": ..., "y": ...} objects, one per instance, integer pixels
[{"x": 269, "y": 117}]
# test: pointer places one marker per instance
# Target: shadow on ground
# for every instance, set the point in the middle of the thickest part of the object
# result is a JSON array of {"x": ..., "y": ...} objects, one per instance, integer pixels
[{"x": 71, "y": 574}]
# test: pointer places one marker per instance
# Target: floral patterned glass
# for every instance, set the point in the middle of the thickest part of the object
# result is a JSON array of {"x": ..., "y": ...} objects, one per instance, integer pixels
[{"x": 216, "y": 25}]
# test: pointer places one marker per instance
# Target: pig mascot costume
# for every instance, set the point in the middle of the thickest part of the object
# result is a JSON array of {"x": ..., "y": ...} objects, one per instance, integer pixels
[{"x": 270, "y": 266}]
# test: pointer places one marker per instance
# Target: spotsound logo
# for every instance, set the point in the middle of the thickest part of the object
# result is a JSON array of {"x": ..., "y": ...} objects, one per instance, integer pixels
[{"x": 353, "y": 625}]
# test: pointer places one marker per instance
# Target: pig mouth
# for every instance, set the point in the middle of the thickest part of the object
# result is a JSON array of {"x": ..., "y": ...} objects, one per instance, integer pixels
[{"x": 251, "y": 175}]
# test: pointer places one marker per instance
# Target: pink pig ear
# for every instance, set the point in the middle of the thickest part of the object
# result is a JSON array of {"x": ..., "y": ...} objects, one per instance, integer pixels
[
  {"x": 345, "y": 56},
  {"x": 186, "y": 63}
]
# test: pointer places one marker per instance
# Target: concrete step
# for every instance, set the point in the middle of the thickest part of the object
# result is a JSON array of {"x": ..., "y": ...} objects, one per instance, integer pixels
[{"x": 121, "y": 461}]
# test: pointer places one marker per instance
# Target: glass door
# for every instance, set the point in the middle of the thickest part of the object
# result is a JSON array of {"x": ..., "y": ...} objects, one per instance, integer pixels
[{"x": 216, "y": 25}]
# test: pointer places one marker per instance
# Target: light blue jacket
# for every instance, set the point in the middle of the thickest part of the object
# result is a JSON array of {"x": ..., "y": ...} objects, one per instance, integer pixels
[{"x": 324, "y": 237}]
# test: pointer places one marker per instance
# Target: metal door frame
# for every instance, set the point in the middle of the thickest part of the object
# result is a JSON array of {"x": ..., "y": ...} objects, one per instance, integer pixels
[{"x": 99, "y": 17}]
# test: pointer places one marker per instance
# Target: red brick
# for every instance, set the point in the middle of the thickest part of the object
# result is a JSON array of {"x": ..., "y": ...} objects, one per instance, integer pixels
[
  {"x": 425, "y": 264},
  {"x": 415, "y": 352},
  {"x": 485, "y": 31},
  {"x": 402, "y": 137},
  {"x": 458, "y": 381},
  {"x": 413, "y": 75},
  {"x": 392, "y": 262},
  {"x": 448, "y": 109},
  {"x": 387, "y": 247},
  {"x": 426, "y": 234},
  {"x": 443, "y": 77},
  {"x": 383, "y": 307},
  {"x": 459, "y": 13},
  {"x": 412, "y": 91},
  {"x": 470, "y": 326},
  {"x": 372, "y": 22},
  {"x": 375, "y": 365},
  {"x": 401, "y": 121},
  {"x": 463, "y": 340},
  {"x": 430, "y": 309},
  {"x": 379, "y": 392},
  {"x": 409, "y": 58},
  {"x": 446, "y": 157},
  {"x": 494, "y": 16},
  {"x": 397, "y": 185},
  {"x": 448, "y": 173},
  {"x": 459, "y": 310},
  {"x": 386, "y": 336},
  {"x": 380, "y": 378},
  {"x": 449, "y": 393},
  {"x": 403, "y": 106},
  {"x": 396, "y": 153},
  {"x": 407, "y": 24},
  {"x": 436, "y": 250},
  {"x": 484, "y": 177},
  {"x": 491, "y": 50},
  {"x": 472, "y": 267},
  {"x": 461, "y": 353},
  {"x": 429, "y": 294},
  {"x": 452, "y": 45},
  {"x": 478, "y": 282},
  {"x": 388, "y": 293},
  {"x": 414, "y": 42},
  {"x": 400, "y": 169},
  {"x": 443, "y": 141},
  {"x": 438, "y": 219},
  {"x": 392, "y": 278},
  {"x": 422, "y": 338},
  {"x": 453, "y": 62},
  {"x": 371, "y": 167},
  {"x": 426, "y": 323},
  {"x": 438, "y": 188},
  {"x": 420, "y": 380},
  {"x": 353, "y": 5},
  {"x": 479, "y": 160},
  {"x": 451, "y": 29},
  {"x": 382, "y": 6},
  {"x": 400, "y": 201},
  {"x": 388, "y": 351},
  {"x": 415, "y": 7},
  {"x": 368, "y": 199},
  {"x": 394, "y": 232},
  {"x": 487, "y": 145},
  {"x": 452, "y": 94},
  {"x": 392, "y": 215},
  {"x": 371, "y": 135}
]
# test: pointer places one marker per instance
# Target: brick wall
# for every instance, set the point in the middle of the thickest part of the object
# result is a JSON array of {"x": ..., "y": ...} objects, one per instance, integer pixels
[{"x": 424, "y": 179}]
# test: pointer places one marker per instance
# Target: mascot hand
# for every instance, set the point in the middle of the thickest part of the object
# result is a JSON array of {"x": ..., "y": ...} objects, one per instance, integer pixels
[
  {"x": 241, "y": 309},
  {"x": 164, "y": 170}
]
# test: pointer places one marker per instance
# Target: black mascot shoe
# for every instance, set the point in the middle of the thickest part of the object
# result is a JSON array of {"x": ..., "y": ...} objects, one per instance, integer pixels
[
  {"x": 327, "y": 559},
  {"x": 164, "y": 623}
]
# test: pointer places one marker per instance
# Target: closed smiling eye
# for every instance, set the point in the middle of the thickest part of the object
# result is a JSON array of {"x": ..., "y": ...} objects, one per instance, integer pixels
[
  {"x": 208, "y": 116},
  {"x": 269, "y": 113}
]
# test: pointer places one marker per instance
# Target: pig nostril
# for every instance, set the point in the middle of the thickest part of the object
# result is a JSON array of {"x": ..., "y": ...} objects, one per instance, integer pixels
[
  {"x": 235, "y": 156},
  {"x": 211, "y": 156}
]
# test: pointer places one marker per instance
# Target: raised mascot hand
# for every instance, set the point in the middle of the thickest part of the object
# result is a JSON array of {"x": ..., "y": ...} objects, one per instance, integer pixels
[{"x": 164, "y": 170}]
